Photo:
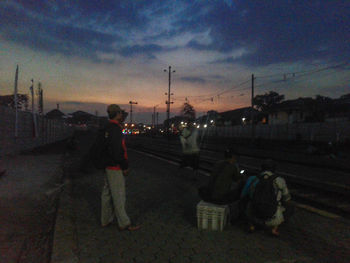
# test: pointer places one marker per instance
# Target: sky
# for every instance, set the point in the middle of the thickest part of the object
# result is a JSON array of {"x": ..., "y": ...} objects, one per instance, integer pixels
[{"x": 88, "y": 54}]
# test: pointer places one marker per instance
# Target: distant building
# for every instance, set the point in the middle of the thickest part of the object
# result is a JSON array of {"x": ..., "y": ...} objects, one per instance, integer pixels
[
  {"x": 55, "y": 115},
  {"x": 80, "y": 117},
  {"x": 310, "y": 110},
  {"x": 339, "y": 110},
  {"x": 240, "y": 116},
  {"x": 291, "y": 111}
]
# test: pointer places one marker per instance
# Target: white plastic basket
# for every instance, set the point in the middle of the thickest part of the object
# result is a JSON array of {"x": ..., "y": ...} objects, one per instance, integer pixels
[{"x": 211, "y": 216}]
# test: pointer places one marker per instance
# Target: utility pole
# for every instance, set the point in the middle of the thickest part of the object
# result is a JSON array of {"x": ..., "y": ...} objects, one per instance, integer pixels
[
  {"x": 157, "y": 120},
  {"x": 154, "y": 117},
  {"x": 35, "y": 131},
  {"x": 40, "y": 99},
  {"x": 168, "y": 102},
  {"x": 32, "y": 93},
  {"x": 131, "y": 103},
  {"x": 252, "y": 110},
  {"x": 16, "y": 102}
]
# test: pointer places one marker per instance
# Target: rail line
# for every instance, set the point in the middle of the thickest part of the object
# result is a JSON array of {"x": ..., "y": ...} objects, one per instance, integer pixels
[{"x": 330, "y": 196}]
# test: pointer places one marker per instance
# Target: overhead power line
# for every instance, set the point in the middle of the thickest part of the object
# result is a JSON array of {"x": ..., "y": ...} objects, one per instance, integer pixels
[{"x": 296, "y": 73}]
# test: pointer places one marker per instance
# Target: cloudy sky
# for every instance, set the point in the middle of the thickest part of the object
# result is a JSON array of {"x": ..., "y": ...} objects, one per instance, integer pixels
[{"x": 91, "y": 53}]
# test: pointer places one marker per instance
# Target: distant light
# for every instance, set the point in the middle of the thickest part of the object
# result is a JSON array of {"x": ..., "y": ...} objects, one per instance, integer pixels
[
  {"x": 144, "y": 126},
  {"x": 205, "y": 126},
  {"x": 125, "y": 125},
  {"x": 242, "y": 171},
  {"x": 198, "y": 126},
  {"x": 182, "y": 122},
  {"x": 211, "y": 121},
  {"x": 185, "y": 123},
  {"x": 132, "y": 125},
  {"x": 243, "y": 119},
  {"x": 194, "y": 123}
]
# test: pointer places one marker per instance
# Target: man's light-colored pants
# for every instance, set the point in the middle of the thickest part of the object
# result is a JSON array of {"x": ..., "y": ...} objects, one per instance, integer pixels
[{"x": 113, "y": 199}]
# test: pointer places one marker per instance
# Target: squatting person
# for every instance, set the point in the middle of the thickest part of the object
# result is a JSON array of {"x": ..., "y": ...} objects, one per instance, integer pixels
[{"x": 268, "y": 199}]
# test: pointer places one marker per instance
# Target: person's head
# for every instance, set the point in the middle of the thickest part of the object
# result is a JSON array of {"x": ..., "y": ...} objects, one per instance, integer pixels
[
  {"x": 115, "y": 112},
  {"x": 190, "y": 124},
  {"x": 268, "y": 165},
  {"x": 230, "y": 154}
]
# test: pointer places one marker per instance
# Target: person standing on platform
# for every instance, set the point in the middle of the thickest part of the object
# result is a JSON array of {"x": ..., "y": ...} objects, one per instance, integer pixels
[
  {"x": 113, "y": 194},
  {"x": 190, "y": 147}
]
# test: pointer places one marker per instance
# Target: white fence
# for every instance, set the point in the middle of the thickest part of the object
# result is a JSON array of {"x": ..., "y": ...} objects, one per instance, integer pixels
[
  {"x": 323, "y": 131},
  {"x": 49, "y": 131}
]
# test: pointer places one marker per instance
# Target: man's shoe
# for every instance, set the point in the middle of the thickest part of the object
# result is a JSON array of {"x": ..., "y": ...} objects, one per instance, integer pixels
[{"x": 130, "y": 228}]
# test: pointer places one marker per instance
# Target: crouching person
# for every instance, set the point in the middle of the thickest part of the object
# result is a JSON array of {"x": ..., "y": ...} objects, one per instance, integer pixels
[{"x": 268, "y": 199}]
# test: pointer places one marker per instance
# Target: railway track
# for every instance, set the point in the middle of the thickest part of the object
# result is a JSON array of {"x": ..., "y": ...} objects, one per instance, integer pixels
[{"x": 322, "y": 190}]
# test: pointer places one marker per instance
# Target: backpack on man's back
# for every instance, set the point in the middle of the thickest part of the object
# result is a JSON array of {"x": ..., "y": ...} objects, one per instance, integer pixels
[
  {"x": 99, "y": 151},
  {"x": 265, "y": 197}
]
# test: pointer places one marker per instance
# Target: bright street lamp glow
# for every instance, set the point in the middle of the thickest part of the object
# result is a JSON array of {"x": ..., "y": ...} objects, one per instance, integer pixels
[
  {"x": 205, "y": 126},
  {"x": 182, "y": 122},
  {"x": 211, "y": 121},
  {"x": 243, "y": 119},
  {"x": 198, "y": 126},
  {"x": 194, "y": 123}
]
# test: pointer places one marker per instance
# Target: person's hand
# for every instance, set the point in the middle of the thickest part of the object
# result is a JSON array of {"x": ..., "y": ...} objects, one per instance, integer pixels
[{"x": 126, "y": 172}]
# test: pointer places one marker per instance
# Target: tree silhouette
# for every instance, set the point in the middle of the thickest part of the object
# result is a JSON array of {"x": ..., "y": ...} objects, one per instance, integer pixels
[
  {"x": 265, "y": 102},
  {"x": 188, "y": 111},
  {"x": 9, "y": 101}
]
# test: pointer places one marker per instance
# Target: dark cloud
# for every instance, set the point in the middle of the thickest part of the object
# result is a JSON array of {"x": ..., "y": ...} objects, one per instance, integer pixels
[
  {"x": 193, "y": 80},
  {"x": 278, "y": 31},
  {"x": 138, "y": 49},
  {"x": 273, "y": 31},
  {"x": 45, "y": 35}
]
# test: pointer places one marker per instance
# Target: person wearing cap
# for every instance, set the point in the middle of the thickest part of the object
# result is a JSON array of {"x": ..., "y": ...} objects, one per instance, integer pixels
[
  {"x": 224, "y": 182},
  {"x": 113, "y": 194}
]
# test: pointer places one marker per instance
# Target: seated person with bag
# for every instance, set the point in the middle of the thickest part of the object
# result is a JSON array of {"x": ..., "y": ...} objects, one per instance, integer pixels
[{"x": 224, "y": 183}]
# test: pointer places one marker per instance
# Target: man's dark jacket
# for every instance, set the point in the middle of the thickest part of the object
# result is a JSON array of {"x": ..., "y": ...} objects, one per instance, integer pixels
[{"x": 116, "y": 146}]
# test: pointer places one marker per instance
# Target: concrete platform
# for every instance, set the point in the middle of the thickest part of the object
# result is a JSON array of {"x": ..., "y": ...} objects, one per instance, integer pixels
[
  {"x": 28, "y": 201},
  {"x": 163, "y": 199}
]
